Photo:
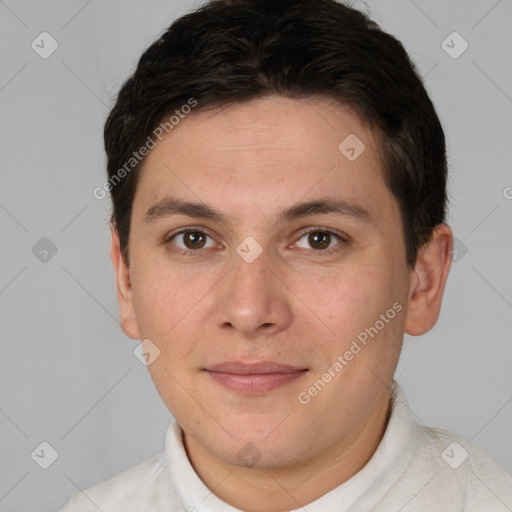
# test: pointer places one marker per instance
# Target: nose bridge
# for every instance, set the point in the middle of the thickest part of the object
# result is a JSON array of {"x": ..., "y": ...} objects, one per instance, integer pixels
[
  {"x": 252, "y": 296},
  {"x": 250, "y": 278}
]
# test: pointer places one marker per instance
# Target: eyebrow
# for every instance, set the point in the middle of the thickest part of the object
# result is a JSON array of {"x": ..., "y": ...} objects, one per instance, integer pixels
[{"x": 170, "y": 206}]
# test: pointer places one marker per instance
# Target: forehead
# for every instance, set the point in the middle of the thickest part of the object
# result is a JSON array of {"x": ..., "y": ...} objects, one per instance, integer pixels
[
  {"x": 260, "y": 155},
  {"x": 265, "y": 124}
]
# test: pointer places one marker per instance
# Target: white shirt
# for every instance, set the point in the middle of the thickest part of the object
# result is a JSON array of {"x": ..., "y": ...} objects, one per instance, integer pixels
[{"x": 414, "y": 469}]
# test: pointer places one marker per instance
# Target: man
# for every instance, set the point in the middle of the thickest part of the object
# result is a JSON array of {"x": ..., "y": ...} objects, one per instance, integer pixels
[{"x": 278, "y": 175}]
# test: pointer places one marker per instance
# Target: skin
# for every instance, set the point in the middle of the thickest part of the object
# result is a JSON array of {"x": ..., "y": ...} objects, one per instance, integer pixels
[{"x": 294, "y": 304}]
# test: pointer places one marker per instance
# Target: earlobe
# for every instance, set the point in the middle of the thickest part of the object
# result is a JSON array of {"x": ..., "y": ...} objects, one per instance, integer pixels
[
  {"x": 428, "y": 282},
  {"x": 128, "y": 320}
]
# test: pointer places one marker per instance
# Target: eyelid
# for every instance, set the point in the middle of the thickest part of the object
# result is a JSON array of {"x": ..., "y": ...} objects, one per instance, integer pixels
[
  {"x": 323, "y": 229},
  {"x": 185, "y": 229}
]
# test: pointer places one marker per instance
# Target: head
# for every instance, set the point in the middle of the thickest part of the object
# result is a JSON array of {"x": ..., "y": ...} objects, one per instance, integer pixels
[{"x": 317, "y": 165}]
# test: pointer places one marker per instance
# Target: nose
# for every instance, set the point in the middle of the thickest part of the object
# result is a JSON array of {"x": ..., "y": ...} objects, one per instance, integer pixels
[{"x": 254, "y": 299}]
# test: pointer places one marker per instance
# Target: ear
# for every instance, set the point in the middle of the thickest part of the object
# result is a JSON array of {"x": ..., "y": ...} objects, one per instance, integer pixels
[
  {"x": 124, "y": 289},
  {"x": 428, "y": 281}
]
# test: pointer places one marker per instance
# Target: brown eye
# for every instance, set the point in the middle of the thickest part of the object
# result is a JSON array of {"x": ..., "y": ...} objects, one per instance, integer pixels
[
  {"x": 320, "y": 240},
  {"x": 191, "y": 240},
  {"x": 194, "y": 239}
]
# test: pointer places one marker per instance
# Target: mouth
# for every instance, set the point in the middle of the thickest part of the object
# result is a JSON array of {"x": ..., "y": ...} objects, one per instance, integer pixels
[{"x": 254, "y": 378}]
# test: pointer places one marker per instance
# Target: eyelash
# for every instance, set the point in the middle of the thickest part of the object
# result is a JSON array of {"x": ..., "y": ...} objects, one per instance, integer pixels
[{"x": 187, "y": 252}]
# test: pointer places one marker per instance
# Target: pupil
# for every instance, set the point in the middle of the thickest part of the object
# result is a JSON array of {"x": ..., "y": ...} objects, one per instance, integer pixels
[
  {"x": 193, "y": 237},
  {"x": 313, "y": 239}
]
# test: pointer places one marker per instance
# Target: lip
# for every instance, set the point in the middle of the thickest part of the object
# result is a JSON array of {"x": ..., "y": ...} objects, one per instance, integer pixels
[
  {"x": 254, "y": 378},
  {"x": 248, "y": 368}
]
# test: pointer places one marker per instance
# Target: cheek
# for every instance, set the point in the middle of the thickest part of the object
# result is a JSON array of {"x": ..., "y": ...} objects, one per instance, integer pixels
[
  {"x": 150, "y": 297},
  {"x": 170, "y": 306},
  {"x": 159, "y": 300},
  {"x": 348, "y": 298}
]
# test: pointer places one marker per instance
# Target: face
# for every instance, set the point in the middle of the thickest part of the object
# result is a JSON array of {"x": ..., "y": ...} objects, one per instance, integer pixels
[{"x": 256, "y": 277}]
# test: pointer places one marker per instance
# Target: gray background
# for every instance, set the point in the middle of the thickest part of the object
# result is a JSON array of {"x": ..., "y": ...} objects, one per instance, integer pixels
[{"x": 68, "y": 375}]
